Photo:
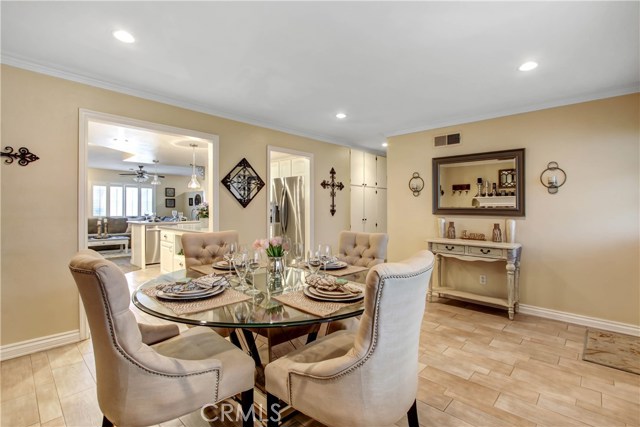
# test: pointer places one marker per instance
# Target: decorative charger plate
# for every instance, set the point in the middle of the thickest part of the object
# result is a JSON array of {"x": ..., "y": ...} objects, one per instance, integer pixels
[
  {"x": 316, "y": 294},
  {"x": 336, "y": 265},
  {"x": 223, "y": 265},
  {"x": 189, "y": 291}
]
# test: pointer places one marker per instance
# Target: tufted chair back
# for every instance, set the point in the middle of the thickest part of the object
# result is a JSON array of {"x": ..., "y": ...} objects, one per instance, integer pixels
[
  {"x": 368, "y": 377},
  {"x": 140, "y": 385},
  {"x": 363, "y": 249},
  {"x": 206, "y": 248}
]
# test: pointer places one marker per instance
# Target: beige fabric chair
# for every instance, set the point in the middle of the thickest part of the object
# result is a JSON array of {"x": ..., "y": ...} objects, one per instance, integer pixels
[
  {"x": 363, "y": 249},
  {"x": 141, "y": 385},
  {"x": 206, "y": 248},
  {"x": 366, "y": 378}
]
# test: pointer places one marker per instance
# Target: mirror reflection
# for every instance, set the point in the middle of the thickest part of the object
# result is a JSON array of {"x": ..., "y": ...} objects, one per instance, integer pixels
[{"x": 479, "y": 184}]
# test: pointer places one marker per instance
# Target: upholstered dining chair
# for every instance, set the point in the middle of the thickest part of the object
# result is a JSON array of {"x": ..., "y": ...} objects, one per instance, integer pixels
[
  {"x": 368, "y": 377},
  {"x": 362, "y": 249},
  {"x": 140, "y": 381},
  {"x": 206, "y": 248}
]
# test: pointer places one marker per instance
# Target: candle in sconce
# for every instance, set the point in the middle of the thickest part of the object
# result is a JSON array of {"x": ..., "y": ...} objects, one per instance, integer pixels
[{"x": 553, "y": 180}]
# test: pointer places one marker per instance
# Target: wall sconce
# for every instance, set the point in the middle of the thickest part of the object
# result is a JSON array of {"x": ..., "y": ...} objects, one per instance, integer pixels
[
  {"x": 416, "y": 184},
  {"x": 549, "y": 177}
]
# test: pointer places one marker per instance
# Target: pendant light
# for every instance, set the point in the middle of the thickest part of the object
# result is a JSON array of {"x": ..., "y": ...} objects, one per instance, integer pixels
[
  {"x": 193, "y": 184},
  {"x": 155, "y": 180}
]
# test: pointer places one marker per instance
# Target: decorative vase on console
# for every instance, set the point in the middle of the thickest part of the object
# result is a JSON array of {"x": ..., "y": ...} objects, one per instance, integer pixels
[
  {"x": 510, "y": 231},
  {"x": 451, "y": 231},
  {"x": 442, "y": 232},
  {"x": 497, "y": 233}
]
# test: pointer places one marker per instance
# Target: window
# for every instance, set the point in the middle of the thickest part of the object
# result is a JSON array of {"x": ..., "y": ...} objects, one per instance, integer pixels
[
  {"x": 146, "y": 201},
  {"x": 131, "y": 201},
  {"x": 122, "y": 200},
  {"x": 99, "y": 200},
  {"x": 116, "y": 201}
]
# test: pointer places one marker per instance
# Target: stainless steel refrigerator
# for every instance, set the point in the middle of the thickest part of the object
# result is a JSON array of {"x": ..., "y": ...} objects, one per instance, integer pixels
[{"x": 287, "y": 208}]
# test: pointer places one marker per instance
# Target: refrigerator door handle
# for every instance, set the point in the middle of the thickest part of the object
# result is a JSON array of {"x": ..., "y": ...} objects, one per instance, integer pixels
[{"x": 284, "y": 211}]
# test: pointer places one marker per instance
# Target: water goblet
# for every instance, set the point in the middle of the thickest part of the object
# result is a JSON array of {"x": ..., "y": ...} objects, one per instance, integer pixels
[
  {"x": 298, "y": 253},
  {"x": 325, "y": 255},
  {"x": 229, "y": 253},
  {"x": 286, "y": 248},
  {"x": 314, "y": 262},
  {"x": 254, "y": 264},
  {"x": 240, "y": 264}
]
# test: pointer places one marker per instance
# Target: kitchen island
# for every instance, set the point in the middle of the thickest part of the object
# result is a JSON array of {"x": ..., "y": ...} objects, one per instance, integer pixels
[{"x": 146, "y": 239}]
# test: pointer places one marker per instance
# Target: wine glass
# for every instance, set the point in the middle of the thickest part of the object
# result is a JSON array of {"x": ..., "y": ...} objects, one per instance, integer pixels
[
  {"x": 230, "y": 252},
  {"x": 298, "y": 253},
  {"x": 255, "y": 258},
  {"x": 314, "y": 262},
  {"x": 325, "y": 255},
  {"x": 286, "y": 248},
  {"x": 240, "y": 264}
]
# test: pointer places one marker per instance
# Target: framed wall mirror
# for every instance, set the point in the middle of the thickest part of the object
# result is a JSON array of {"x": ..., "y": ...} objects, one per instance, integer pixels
[{"x": 490, "y": 184}]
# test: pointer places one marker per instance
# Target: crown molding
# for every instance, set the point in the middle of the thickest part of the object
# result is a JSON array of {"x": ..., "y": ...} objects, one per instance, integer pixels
[
  {"x": 460, "y": 120},
  {"x": 51, "y": 70}
]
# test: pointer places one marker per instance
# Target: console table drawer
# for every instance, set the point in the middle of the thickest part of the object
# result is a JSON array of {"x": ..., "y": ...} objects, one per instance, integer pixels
[
  {"x": 454, "y": 249},
  {"x": 485, "y": 252}
]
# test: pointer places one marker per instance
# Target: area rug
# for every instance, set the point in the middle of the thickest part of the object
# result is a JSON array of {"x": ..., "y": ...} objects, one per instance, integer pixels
[
  {"x": 611, "y": 349},
  {"x": 123, "y": 262}
]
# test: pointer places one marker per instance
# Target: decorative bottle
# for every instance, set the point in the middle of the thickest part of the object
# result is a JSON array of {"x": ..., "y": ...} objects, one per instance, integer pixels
[
  {"x": 479, "y": 184},
  {"x": 99, "y": 228},
  {"x": 497, "y": 234},
  {"x": 494, "y": 190},
  {"x": 105, "y": 228},
  {"x": 451, "y": 231}
]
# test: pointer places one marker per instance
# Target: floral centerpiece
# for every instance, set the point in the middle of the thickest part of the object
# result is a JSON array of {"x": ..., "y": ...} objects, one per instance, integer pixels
[
  {"x": 274, "y": 247},
  {"x": 203, "y": 210}
]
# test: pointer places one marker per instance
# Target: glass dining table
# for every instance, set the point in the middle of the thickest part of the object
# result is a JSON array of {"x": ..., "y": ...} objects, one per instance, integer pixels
[{"x": 262, "y": 310}]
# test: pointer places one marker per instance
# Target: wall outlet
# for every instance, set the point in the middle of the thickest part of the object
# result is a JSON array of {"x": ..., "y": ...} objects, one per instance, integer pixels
[{"x": 483, "y": 279}]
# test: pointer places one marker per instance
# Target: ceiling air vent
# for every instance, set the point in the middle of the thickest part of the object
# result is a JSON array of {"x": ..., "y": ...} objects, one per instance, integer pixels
[{"x": 444, "y": 140}]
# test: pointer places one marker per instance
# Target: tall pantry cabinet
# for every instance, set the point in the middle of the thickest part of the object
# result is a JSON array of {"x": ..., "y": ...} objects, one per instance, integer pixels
[{"x": 368, "y": 192}]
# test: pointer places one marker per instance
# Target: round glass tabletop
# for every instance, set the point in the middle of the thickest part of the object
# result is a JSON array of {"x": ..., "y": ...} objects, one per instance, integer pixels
[{"x": 258, "y": 311}]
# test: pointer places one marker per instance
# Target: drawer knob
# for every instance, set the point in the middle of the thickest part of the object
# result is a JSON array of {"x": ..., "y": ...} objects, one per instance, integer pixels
[
  {"x": 449, "y": 248},
  {"x": 485, "y": 251}
]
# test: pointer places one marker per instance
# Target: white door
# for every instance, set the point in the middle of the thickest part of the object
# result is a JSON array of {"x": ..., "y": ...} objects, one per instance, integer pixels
[
  {"x": 357, "y": 208},
  {"x": 381, "y": 211},
  {"x": 370, "y": 207},
  {"x": 357, "y": 167},
  {"x": 381, "y": 172},
  {"x": 370, "y": 169}
]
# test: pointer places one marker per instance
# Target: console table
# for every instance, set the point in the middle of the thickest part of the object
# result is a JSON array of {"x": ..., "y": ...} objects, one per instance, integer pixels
[{"x": 478, "y": 250}]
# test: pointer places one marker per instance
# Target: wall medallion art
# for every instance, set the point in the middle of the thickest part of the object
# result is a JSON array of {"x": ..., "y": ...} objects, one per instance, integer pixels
[{"x": 243, "y": 182}]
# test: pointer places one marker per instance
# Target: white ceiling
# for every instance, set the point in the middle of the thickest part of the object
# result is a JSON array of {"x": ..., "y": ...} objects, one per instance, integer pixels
[{"x": 392, "y": 67}]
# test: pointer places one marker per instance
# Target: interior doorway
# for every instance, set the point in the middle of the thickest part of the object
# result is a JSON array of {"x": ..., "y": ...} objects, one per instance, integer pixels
[
  {"x": 119, "y": 156},
  {"x": 290, "y": 195}
]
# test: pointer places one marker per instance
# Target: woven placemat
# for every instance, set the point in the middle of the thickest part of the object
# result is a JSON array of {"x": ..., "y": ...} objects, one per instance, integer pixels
[
  {"x": 229, "y": 296},
  {"x": 207, "y": 269},
  {"x": 300, "y": 301},
  {"x": 349, "y": 269}
]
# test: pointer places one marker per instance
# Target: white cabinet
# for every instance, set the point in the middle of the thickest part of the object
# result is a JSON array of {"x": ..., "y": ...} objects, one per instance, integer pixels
[
  {"x": 368, "y": 192},
  {"x": 166, "y": 257}
]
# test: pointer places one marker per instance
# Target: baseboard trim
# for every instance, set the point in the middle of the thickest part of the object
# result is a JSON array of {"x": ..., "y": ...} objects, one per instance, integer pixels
[
  {"x": 11, "y": 351},
  {"x": 592, "y": 322}
]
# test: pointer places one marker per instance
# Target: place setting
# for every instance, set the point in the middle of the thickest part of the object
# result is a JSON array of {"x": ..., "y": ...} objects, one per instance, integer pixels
[
  {"x": 331, "y": 289},
  {"x": 195, "y": 295}
]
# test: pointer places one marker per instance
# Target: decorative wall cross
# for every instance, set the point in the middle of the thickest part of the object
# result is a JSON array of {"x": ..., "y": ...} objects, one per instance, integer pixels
[
  {"x": 23, "y": 156},
  {"x": 333, "y": 185}
]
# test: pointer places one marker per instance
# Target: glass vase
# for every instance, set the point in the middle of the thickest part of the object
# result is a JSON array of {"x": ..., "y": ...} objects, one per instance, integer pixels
[
  {"x": 497, "y": 233},
  {"x": 275, "y": 273}
]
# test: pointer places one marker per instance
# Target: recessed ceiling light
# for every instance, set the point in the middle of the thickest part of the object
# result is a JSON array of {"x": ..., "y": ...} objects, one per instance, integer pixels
[
  {"x": 528, "y": 66},
  {"x": 384, "y": 144},
  {"x": 124, "y": 36},
  {"x": 341, "y": 115}
]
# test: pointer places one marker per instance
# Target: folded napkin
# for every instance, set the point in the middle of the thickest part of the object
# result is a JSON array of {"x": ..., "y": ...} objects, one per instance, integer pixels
[
  {"x": 211, "y": 280},
  {"x": 330, "y": 283}
]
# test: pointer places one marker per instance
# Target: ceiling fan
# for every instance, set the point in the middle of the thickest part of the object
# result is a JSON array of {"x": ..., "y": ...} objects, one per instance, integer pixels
[{"x": 140, "y": 175}]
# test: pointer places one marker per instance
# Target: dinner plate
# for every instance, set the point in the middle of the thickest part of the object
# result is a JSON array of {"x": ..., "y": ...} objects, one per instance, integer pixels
[
  {"x": 333, "y": 294},
  {"x": 309, "y": 291},
  {"x": 223, "y": 265},
  {"x": 335, "y": 265},
  {"x": 182, "y": 297}
]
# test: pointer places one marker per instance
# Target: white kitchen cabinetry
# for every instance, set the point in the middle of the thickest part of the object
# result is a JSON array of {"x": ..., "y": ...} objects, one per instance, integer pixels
[
  {"x": 368, "y": 192},
  {"x": 167, "y": 239}
]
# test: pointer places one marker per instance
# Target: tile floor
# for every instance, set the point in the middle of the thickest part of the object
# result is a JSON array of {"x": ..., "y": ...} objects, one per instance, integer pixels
[{"x": 477, "y": 369}]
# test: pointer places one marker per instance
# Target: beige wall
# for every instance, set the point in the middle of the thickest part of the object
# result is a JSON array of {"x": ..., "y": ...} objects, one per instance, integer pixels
[
  {"x": 39, "y": 202},
  {"x": 580, "y": 246}
]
